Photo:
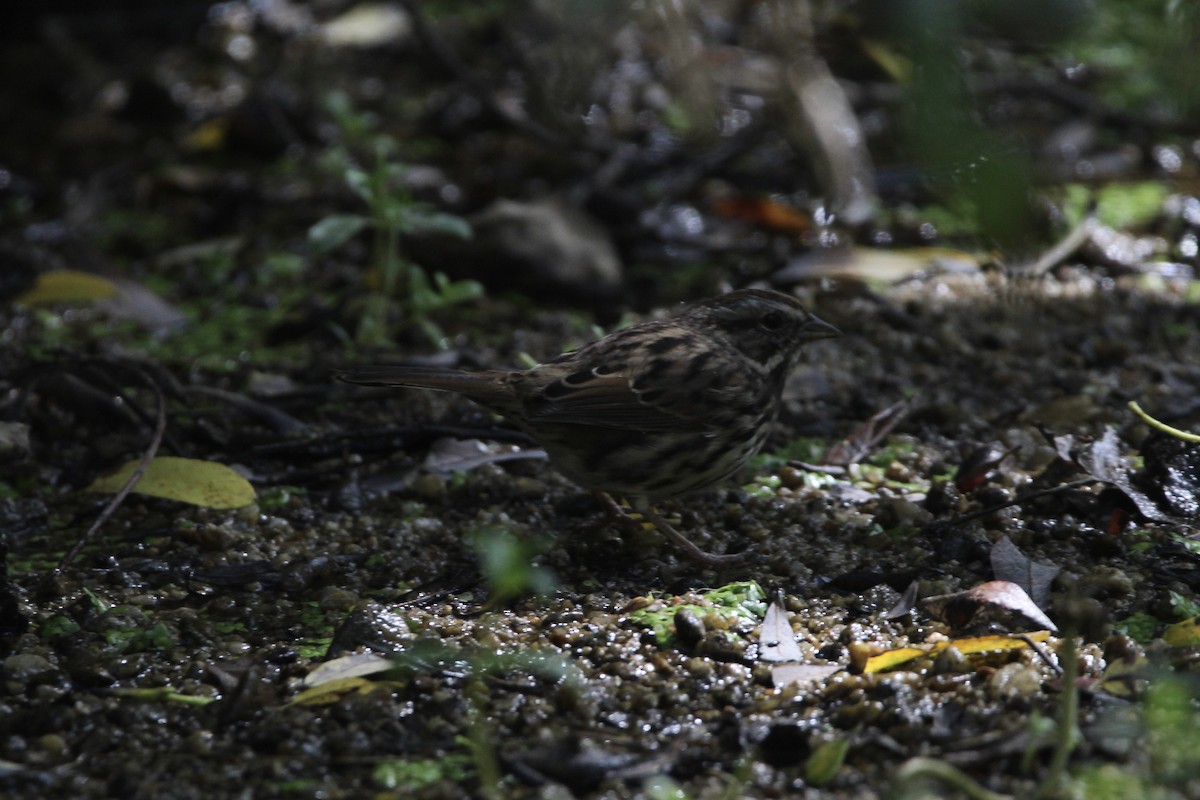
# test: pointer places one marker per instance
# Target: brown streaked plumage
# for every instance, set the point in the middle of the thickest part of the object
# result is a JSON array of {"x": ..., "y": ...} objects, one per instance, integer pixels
[{"x": 653, "y": 411}]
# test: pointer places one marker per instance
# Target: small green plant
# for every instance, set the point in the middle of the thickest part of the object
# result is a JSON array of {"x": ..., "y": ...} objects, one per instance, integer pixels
[
  {"x": 392, "y": 214},
  {"x": 741, "y": 600},
  {"x": 414, "y": 774},
  {"x": 1184, "y": 605},
  {"x": 507, "y": 565}
]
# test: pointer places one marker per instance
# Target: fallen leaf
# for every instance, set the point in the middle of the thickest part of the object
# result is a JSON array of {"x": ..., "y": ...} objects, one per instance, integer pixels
[
  {"x": 188, "y": 480},
  {"x": 786, "y": 674},
  {"x": 823, "y": 765},
  {"x": 764, "y": 212},
  {"x": 335, "y": 690},
  {"x": 777, "y": 645},
  {"x": 776, "y": 640},
  {"x": 990, "y": 603},
  {"x": 876, "y": 265},
  {"x": 866, "y": 659},
  {"x": 67, "y": 286},
  {"x": 906, "y": 603},
  {"x": 979, "y": 463},
  {"x": 367, "y": 25},
  {"x": 1010, "y": 564},
  {"x": 1101, "y": 460},
  {"x": 1183, "y": 634},
  {"x": 447, "y": 456},
  {"x": 355, "y": 665}
]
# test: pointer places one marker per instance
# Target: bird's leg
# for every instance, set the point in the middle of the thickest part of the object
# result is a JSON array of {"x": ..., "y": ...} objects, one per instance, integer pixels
[{"x": 690, "y": 549}]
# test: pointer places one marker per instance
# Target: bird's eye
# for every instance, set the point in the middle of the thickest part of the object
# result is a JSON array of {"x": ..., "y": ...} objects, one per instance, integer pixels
[{"x": 772, "y": 320}]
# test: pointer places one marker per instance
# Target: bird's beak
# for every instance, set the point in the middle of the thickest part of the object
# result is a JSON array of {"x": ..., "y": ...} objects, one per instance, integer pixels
[{"x": 817, "y": 328}]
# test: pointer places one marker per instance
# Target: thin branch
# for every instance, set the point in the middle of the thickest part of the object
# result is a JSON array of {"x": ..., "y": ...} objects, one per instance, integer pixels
[{"x": 160, "y": 427}]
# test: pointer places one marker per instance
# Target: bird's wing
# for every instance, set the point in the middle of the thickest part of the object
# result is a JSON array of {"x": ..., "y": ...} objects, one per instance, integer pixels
[
  {"x": 602, "y": 401},
  {"x": 638, "y": 391}
]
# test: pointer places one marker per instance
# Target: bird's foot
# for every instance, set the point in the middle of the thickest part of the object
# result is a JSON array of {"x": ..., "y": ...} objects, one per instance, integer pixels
[{"x": 690, "y": 549}]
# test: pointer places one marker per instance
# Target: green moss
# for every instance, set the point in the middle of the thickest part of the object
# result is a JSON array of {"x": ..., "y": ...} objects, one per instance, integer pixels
[
  {"x": 1140, "y": 627},
  {"x": 738, "y": 600},
  {"x": 414, "y": 774}
]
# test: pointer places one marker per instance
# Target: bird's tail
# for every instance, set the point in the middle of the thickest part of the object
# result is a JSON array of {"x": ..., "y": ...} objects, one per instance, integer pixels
[{"x": 477, "y": 384}]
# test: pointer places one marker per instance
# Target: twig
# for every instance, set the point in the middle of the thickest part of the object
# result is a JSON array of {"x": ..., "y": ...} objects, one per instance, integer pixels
[
  {"x": 1063, "y": 248},
  {"x": 160, "y": 427},
  {"x": 1042, "y": 654},
  {"x": 279, "y": 421},
  {"x": 1018, "y": 500}
]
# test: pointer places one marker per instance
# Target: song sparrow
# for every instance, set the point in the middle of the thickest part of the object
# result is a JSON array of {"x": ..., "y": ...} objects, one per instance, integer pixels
[{"x": 652, "y": 411}]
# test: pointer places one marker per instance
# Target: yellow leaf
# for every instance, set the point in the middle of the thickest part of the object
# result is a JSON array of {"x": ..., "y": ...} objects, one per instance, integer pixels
[
  {"x": 188, "y": 480},
  {"x": 332, "y": 691},
  {"x": 895, "y": 65},
  {"x": 208, "y": 136},
  {"x": 889, "y": 659},
  {"x": 67, "y": 286},
  {"x": 992, "y": 643},
  {"x": 1182, "y": 634},
  {"x": 862, "y": 659}
]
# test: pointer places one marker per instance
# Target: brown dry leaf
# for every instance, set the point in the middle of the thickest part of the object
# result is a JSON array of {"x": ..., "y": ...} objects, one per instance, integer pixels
[
  {"x": 764, "y": 212},
  {"x": 973, "y": 470},
  {"x": 1101, "y": 460},
  {"x": 988, "y": 603},
  {"x": 188, "y": 480},
  {"x": 1010, "y": 564}
]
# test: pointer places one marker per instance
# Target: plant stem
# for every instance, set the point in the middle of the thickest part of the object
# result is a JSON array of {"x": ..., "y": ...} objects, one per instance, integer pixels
[{"x": 1067, "y": 712}]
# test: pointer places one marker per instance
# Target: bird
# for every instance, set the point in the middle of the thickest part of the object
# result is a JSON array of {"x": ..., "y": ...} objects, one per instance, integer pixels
[{"x": 651, "y": 412}]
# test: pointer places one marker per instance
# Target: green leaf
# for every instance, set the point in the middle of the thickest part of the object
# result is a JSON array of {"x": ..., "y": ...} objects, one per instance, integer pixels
[
  {"x": 58, "y": 625},
  {"x": 453, "y": 292},
  {"x": 360, "y": 183},
  {"x": 1184, "y": 606},
  {"x": 422, "y": 221},
  {"x": 823, "y": 765},
  {"x": 334, "y": 231},
  {"x": 1118, "y": 205},
  {"x": 506, "y": 564}
]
